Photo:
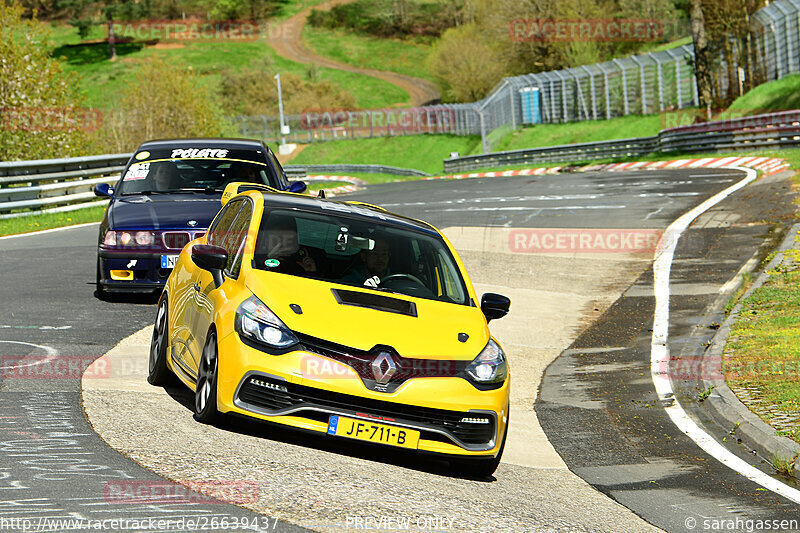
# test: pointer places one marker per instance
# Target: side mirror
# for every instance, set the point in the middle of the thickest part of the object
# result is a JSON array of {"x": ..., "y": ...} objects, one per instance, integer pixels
[
  {"x": 104, "y": 190},
  {"x": 211, "y": 258},
  {"x": 494, "y": 305},
  {"x": 298, "y": 187}
]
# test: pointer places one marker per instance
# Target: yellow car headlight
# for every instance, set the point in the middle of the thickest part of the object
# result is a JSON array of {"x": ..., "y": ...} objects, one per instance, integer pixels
[
  {"x": 490, "y": 366},
  {"x": 256, "y": 323}
]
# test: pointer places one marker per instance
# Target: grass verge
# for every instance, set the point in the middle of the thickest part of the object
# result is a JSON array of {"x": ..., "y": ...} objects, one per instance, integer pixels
[
  {"x": 42, "y": 221},
  {"x": 762, "y": 355},
  {"x": 421, "y": 152},
  {"x": 395, "y": 55},
  {"x": 102, "y": 80}
]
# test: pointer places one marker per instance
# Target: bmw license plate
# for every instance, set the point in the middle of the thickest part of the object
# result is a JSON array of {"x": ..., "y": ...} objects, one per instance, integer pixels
[
  {"x": 168, "y": 261},
  {"x": 371, "y": 432}
]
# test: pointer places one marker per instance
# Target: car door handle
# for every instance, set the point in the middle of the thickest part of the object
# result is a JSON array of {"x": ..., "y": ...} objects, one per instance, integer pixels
[{"x": 197, "y": 287}]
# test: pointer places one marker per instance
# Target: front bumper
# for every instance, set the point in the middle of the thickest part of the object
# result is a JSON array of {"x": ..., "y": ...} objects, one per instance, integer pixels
[
  {"x": 146, "y": 272},
  {"x": 290, "y": 389}
]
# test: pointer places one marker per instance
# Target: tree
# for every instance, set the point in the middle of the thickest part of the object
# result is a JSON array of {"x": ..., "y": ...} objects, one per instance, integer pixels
[
  {"x": 702, "y": 63},
  {"x": 164, "y": 100},
  {"x": 40, "y": 115},
  {"x": 464, "y": 65}
]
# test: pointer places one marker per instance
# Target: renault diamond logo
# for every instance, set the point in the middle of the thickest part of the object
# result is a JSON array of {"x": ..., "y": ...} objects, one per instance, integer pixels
[{"x": 383, "y": 368}]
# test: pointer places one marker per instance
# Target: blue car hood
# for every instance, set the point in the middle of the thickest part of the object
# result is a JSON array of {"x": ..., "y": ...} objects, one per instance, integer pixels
[{"x": 163, "y": 211}]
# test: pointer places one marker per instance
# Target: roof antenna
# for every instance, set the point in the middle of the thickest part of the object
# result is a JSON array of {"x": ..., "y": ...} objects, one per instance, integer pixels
[{"x": 321, "y": 193}]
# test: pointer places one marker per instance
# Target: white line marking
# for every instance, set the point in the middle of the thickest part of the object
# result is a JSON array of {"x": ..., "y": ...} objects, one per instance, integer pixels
[
  {"x": 52, "y": 230},
  {"x": 659, "y": 351},
  {"x": 6, "y": 326},
  {"x": 50, "y": 352}
]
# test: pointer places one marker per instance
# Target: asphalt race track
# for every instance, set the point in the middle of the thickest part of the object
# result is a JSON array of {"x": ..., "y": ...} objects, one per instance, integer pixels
[{"x": 54, "y": 465}]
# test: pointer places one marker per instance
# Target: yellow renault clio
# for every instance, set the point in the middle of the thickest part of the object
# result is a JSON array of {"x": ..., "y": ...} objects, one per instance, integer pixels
[{"x": 339, "y": 318}]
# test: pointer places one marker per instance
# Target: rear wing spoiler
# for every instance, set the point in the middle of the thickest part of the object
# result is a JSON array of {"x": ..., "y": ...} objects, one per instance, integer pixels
[{"x": 237, "y": 187}]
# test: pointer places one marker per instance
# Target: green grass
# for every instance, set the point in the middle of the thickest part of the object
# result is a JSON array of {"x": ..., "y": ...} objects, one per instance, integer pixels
[
  {"x": 421, "y": 152},
  {"x": 763, "y": 349},
  {"x": 103, "y": 80},
  {"x": 580, "y": 132},
  {"x": 395, "y": 55},
  {"x": 12, "y": 226},
  {"x": 775, "y": 95}
]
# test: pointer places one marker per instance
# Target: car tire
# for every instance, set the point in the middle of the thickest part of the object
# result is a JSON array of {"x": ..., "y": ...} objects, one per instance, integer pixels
[
  {"x": 100, "y": 292},
  {"x": 158, "y": 372},
  {"x": 205, "y": 396},
  {"x": 481, "y": 468}
]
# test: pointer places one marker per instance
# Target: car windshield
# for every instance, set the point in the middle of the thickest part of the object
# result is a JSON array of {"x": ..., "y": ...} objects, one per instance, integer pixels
[
  {"x": 163, "y": 176},
  {"x": 352, "y": 251}
]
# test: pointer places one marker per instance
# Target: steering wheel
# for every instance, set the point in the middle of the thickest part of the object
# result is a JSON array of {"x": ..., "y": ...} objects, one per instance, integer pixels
[{"x": 402, "y": 276}]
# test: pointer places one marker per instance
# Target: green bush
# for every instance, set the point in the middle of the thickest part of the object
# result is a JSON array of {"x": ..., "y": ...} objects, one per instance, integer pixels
[
  {"x": 165, "y": 100},
  {"x": 40, "y": 114}
]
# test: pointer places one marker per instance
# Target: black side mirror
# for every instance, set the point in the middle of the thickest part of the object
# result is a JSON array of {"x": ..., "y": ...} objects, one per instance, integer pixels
[
  {"x": 211, "y": 258},
  {"x": 298, "y": 187},
  {"x": 494, "y": 305},
  {"x": 104, "y": 190}
]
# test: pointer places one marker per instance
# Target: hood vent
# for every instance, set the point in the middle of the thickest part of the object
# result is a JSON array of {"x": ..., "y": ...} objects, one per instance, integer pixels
[{"x": 375, "y": 301}]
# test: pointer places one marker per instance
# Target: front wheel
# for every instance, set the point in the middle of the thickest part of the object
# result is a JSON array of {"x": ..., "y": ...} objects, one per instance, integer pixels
[
  {"x": 205, "y": 395},
  {"x": 158, "y": 372},
  {"x": 480, "y": 468},
  {"x": 100, "y": 292}
]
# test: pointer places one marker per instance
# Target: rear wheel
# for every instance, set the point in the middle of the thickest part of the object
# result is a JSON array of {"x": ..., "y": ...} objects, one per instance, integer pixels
[
  {"x": 158, "y": 371},
  {"x": 205, "y": 396}
]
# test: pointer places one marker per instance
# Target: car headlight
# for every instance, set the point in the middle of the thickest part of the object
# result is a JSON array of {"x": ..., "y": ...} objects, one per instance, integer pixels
[
  {"x": 490, "y": 365},
  {"x": 142, "y": 239},
  {"x": 256, "y": 322}
]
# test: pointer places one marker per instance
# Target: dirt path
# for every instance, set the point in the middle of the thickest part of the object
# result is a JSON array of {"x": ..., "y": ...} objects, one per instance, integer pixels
[{"x": 287, "y": 41}]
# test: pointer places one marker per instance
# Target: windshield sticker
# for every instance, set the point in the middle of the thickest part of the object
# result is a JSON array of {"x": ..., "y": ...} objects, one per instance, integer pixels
[
  {"x": 142, "y": 155},
  {"x": 373, "y": 282},
  {"x": 195, "y": 152},
  {"x": 137, "y": 171},
  {"x": 272, "y": 263}
]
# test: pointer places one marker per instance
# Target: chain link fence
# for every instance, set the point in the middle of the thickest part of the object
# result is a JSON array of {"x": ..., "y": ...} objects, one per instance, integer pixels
[{"x": 636, "y": 85}]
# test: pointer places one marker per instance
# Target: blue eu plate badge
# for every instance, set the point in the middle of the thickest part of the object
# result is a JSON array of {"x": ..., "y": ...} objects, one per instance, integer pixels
[{"x": 333, "y": 423}]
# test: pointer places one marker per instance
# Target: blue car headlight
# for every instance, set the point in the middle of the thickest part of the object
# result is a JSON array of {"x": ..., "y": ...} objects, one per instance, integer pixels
[
  {"x": 255, "y": 322},
  {"x": 489, "y": 366}
]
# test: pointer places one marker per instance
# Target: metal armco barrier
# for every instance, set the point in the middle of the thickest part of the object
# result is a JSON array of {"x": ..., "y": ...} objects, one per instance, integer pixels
[
  {"x": 773, "y": 130},
  {"x": 56, "y": 182},
  {"x": 292, "y": 170},
  {"x": 64, "y": 184}
]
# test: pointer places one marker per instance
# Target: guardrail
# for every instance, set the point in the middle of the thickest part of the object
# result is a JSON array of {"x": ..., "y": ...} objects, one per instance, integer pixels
[
  {"x": 772, "y": 130},
  {"x": 67, "y": 184},
  {"x": 367, "y": 169}
]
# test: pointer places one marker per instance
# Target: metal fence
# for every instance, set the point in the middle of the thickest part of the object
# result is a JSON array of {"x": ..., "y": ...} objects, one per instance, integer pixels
[
  {"x": 636, "y": 85},
  {"x": 773, "y": 130},
  {"x": 778, "y": 38}
]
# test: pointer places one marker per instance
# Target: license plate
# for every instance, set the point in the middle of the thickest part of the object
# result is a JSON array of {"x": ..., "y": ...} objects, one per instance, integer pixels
[
  {"x": 342, "y": 426},
  {"x": 168, "y": 261}
]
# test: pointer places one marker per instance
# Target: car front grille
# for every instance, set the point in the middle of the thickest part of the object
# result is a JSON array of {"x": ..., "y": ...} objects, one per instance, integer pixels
[
  {"x": 275, "y": 396},
  {"x": 176, "y": 240},
  {"x": 361, "y": 361}
]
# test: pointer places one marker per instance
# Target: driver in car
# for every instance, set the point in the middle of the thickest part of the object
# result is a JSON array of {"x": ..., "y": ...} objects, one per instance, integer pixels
[
  {"x": 282, "y": 244},
  {"x": 374, "y": 263}
]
